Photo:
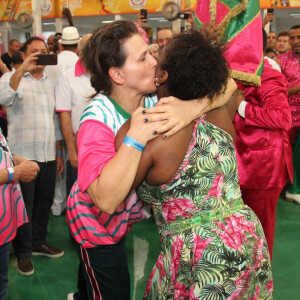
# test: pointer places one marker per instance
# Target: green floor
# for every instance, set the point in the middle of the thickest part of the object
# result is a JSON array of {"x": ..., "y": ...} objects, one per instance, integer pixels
[{"x": 55, "y": 278}]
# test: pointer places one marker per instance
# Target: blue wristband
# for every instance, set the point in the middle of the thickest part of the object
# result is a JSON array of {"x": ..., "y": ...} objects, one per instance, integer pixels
[
  {"x": 58, "y": 152},
  {"x": 10, "y": 174},
  {"x": 129, "y": 141}
]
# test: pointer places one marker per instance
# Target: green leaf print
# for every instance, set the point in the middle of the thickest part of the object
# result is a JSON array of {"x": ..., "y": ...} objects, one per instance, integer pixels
[
  {"x": 229, "y": 286},
  {"x": 213, "y": 292},
  {"x": 210, "y": 274},
  {"x": 205, "y": 167}
]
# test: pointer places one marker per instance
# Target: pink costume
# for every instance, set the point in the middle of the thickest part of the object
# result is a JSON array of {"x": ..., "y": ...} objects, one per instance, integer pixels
[
  {"x": 12, "y": 212},
  {"x": 290, "y": 68},
  {"x": 289, "y": 63},
  {"x": 88, "y": 225},
  {"x": 263, "y": 150}
]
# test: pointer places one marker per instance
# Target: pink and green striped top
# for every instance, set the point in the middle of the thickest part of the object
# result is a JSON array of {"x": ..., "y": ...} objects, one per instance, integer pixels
[{"x": 89, "y": 226}]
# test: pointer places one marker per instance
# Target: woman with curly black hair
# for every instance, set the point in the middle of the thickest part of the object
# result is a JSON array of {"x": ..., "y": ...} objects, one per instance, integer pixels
[{"x": 212, "y": 245}]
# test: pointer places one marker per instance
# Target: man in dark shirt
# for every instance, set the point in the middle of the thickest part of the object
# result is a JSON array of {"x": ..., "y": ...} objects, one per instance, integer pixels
[{"x": 14, "y": 45}]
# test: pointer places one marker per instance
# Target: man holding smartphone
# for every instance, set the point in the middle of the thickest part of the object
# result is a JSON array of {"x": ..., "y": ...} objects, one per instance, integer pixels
[
  {"x": 143, "y": 14},
  {"x": 141, "y": 19},
  {"x": 271, "y": 35},
  {"x": 269, "y": 17},
  {"x": 33, "y": 133}
]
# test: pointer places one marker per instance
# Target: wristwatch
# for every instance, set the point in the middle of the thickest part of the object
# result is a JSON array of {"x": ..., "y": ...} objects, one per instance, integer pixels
[{"x": 10, "y": 174}]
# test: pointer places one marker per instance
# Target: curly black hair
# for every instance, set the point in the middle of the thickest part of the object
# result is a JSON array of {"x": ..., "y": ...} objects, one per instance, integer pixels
[
  {"x": 104, "y": 50},
  {"x": 195, "y": 65}
]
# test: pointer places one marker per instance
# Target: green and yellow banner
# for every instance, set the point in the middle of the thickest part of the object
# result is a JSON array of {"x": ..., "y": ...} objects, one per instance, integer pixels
[{"x": 239, "y": 23}]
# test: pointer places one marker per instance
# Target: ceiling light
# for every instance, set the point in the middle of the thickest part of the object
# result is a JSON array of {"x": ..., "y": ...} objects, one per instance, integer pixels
[{"x": 156, "y": 18}]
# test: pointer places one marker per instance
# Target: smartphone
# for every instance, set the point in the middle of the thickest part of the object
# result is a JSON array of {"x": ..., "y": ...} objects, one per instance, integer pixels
[
  {"x": 143, "y": 13},
  {"x": 270, "y": 10},
  {"x": 183, "y": 16},
  {"x": 46, "y": 59}
]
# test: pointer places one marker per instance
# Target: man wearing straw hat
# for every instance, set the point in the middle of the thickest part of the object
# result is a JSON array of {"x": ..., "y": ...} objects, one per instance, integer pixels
[
  {"x": 67, "y": 58},
  {"x": 68, "y": 46}
]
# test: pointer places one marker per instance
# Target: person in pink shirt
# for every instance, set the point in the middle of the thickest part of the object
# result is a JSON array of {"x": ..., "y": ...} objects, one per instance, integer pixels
[
  {"x": 289, "y": 63},
  {"x": 290, "y": 68},
  {"x": 12, "y": 207}
]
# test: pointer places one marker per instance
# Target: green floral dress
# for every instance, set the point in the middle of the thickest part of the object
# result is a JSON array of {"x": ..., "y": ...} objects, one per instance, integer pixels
[{"x": 212, "y": 245}]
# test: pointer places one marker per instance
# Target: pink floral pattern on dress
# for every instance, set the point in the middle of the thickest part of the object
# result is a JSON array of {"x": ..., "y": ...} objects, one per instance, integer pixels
[
  {"x": 269, "y": 287},
  {"x": 200, "y": 246},
  {"x": 160, "y": 265},
  {"x": 180, "y": 291},
  {"x": 233, "y": 234},
  {"x": 148, "y": 287},
  {"x": 216, "y": 189},
  {"x": 177, "y": 208},
  {"x": 176, "y": 252}
]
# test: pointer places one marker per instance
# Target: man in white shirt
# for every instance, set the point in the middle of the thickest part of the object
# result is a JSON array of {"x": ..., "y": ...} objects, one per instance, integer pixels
[
  {"x": 68, "y": 47},
  {"x": 68, "y": 54},
  {"x": 73, "y": 93},
  {"x": 67, "y": 58}
]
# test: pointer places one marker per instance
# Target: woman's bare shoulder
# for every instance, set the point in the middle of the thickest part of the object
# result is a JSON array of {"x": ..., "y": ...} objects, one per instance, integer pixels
[{"x": 221, "y": 118}]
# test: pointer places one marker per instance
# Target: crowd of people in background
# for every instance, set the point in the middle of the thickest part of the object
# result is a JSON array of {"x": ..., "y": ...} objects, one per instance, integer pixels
[
  {"x": 284, "y": 49},
  {"x": 43, "y": 160}
]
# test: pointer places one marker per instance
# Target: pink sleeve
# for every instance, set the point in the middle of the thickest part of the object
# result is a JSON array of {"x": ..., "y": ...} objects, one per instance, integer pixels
[{"x": 95, "y": 149}]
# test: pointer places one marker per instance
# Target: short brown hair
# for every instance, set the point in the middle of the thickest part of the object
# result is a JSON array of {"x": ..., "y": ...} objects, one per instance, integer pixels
[
  {"x": 29, "y": 41},
  {"x": 283, "y": 33},
  {"x": 104, "y": 49}
]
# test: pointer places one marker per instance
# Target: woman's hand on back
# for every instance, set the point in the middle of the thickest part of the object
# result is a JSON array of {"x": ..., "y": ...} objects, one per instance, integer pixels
[
  {"x": 175, "y": 113},
  {"x": 140, "y": 127}
]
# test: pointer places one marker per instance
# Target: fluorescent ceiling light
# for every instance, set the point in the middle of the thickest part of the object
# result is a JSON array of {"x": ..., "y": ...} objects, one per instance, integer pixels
[
  {"x": 295, "y": 15},
  {"x": 49, "y": 23},
  {"x": 156, "y": 18},
  {"x": 108, "y": 21}
]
